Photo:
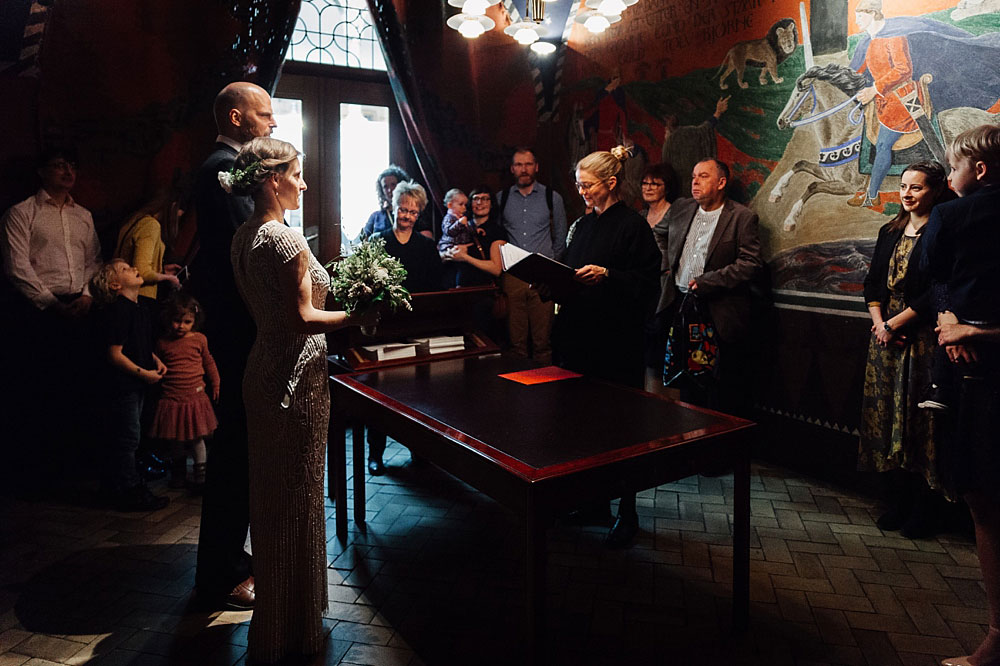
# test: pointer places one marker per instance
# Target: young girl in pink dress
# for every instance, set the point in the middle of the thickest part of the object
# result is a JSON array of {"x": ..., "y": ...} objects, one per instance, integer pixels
[{"x": 184, "y": 414}]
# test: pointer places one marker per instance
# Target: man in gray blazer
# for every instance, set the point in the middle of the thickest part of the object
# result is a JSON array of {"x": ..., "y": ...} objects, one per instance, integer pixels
[{"x": 711, "y": 248}]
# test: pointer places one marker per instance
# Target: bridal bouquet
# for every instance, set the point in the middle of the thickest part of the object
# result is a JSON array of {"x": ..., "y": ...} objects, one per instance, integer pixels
[{"x": 368, "y": 277}]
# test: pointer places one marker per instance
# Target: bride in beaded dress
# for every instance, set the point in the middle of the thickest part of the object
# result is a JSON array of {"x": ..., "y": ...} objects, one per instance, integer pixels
[{"x": 287, "y": 403}]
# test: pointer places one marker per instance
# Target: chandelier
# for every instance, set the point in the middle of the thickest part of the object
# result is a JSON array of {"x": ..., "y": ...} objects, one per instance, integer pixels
[
  {"x": 530, "y": 30},
  {"x": 472, "y": 22},
  {"x": 599, "y": 15}
]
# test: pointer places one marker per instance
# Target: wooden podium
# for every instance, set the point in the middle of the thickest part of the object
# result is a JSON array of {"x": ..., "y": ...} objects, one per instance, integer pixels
[{"x": 451, "y": 312}]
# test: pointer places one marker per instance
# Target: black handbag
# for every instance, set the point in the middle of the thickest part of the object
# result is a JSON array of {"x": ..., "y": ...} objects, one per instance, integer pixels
[{"x": 692, "y": 351}]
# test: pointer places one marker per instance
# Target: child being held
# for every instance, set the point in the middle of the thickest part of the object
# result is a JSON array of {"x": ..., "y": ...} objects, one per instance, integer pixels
[
  {"x": 974, "y": 165},
  {"x": 455, "y": 227},
  {"x": 456, "y": 230},
  {"x": 184, "y": 413},
  {"x": 128, "y": 334}
]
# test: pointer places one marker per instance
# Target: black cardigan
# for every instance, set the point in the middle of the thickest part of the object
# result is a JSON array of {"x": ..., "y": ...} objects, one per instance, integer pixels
[{"x": 916, "y": 285}]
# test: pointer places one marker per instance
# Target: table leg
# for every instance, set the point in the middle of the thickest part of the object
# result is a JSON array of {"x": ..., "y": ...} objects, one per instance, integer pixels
[
  {"x": 534, "y": 584},
  {"x": 360, "y": 469},
  {"x": 331, "y": 453},
  {"x": 741, "y": 539},
  {"x": 337, "y": 474}
]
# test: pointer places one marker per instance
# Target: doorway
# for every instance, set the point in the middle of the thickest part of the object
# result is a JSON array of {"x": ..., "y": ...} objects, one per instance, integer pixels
[{"x": 347, "y": 125}]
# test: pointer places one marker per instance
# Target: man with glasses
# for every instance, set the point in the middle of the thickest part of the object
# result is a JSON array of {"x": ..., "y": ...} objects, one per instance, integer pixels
[
  {"x": 534, "y": 219},
  {"x": 50, "y": 250}
]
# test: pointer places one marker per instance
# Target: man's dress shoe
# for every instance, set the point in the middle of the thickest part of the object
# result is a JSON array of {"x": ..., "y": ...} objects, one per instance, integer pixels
[
  {"x": 376, "y": 467},
  {"x": 242, "y": 597}
]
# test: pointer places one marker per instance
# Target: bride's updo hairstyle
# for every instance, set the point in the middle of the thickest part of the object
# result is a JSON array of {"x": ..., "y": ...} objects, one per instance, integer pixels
[
  {"x": 259, "y": 158},
  {"x": 606, "y": 163}
]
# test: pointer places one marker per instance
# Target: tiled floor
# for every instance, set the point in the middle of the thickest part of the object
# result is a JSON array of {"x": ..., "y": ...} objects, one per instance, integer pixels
[{"x": 436, "y": 580}]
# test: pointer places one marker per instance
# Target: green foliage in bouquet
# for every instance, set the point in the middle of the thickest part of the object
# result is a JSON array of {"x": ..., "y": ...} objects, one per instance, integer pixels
[{"x": 369, "y": 276}]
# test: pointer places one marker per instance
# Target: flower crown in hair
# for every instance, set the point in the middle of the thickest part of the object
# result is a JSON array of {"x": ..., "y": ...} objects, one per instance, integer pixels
[{"x": 239, "y": 177}]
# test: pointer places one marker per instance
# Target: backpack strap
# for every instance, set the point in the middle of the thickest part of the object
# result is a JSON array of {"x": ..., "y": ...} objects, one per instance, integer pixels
[{"x": 552, "y": 225}]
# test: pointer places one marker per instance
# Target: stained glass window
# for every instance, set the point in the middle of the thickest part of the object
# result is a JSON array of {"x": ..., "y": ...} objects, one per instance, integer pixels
[{"x": 336, "y": 32}]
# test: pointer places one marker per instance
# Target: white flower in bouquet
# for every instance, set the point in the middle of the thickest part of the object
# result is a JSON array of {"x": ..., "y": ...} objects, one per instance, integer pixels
[{"x": 367, "y": 277}]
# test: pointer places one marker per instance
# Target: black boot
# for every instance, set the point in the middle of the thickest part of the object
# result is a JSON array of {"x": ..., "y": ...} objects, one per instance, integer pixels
[
  {"x": 899, "y": 496},
  {"x": 924, "y": 520},
  {"x": 626, "y": 525},
  {"x": 376, "y": 448}
]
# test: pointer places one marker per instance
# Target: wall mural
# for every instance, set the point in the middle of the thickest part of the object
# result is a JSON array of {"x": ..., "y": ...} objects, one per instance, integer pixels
[{"x": 820, "y": 107}]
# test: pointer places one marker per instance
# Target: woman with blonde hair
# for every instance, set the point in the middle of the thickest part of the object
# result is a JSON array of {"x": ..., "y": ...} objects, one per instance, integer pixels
[
  {"x": 287, "y": 402},
  {"x": 599, "y": 330}
]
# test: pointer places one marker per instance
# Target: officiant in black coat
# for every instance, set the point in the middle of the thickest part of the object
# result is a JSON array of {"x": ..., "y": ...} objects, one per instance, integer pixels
[
  {"x": 223, "y": 579},
  {"x": 598, "y": 331}
]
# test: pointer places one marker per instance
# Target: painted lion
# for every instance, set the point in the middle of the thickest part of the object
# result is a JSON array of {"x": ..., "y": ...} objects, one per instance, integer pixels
[{"x": 767, "y": 53}]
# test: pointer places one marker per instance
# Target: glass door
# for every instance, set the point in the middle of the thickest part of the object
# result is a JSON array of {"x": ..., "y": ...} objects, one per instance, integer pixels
[
  {"x": 349, "y": 131},
  {"x": 364, "y": 154}
]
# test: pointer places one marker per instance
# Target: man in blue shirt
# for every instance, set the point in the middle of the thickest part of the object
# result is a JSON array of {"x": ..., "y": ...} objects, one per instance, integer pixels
[{"x": 534, "y": 221}]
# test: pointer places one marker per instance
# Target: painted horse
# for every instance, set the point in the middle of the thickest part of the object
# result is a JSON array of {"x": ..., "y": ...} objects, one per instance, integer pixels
[{"x": 824, "y": 101}]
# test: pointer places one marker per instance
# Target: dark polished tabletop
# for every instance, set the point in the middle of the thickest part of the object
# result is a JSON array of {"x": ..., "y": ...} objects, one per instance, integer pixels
[{"x": 542, "y": 430}]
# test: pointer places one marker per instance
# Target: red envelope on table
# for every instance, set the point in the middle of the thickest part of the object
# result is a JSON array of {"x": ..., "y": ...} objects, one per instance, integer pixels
[{"x": 549, "y": 373}]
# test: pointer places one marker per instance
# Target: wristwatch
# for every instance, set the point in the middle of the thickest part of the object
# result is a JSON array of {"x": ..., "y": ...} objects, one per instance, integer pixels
[{"x": 886, "y": 326}]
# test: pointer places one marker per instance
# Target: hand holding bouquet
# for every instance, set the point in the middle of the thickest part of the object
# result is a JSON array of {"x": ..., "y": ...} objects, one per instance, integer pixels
[{"x": 369, "y": 277}]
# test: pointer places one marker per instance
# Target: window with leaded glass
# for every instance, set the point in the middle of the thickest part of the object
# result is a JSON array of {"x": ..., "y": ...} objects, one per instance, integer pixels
[{"x": 336, "y": 32}]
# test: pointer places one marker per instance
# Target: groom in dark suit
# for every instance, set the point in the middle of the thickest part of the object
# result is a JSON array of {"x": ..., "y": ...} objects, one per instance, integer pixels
[
  {"x": 224, "y": 577},
  {"x": 711, "y": 248}
]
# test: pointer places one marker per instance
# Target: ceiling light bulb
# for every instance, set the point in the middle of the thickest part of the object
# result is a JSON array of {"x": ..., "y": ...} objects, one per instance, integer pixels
[
  {"x": 543, "y": 48},
  {"x": 611, "y": 7},
  {"x": 597, "y": 24},
  {"x": 471, "y": 29},
  {"x": 476, "y": 7},
  {"x": 526, "y": 36}
]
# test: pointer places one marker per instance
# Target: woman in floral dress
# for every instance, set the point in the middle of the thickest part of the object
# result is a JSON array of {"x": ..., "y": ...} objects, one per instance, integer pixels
[{"x": 897, "y": 438}]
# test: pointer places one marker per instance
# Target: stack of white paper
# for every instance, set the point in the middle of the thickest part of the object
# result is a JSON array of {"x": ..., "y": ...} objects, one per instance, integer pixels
[
  {"x": 440, "y": 344},
  {"x": 390, "y": 351}
]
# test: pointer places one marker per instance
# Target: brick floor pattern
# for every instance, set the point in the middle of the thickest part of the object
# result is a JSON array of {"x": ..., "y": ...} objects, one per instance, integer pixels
[{"x": 436, "y": 579}]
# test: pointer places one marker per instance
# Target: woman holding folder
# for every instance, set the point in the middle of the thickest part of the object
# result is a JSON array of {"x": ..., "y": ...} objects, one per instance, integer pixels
[{"x": 598, "y": 330}]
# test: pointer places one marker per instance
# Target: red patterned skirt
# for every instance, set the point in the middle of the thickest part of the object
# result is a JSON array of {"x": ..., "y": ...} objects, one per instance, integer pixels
[{"x": 184, "y": 418}]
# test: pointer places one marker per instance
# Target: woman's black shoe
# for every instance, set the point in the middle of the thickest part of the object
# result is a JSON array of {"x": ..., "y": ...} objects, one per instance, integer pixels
[{"x": 376, "y": 467}]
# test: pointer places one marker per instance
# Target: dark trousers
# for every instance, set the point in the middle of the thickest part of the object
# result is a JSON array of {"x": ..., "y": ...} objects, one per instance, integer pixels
[
  {"x": 123, "y": 434},
  {"x": 376, "y": 444},
  {"x": 225, "y": 507},
  {"x": 52, "y": 370},
  {"x": 973, "y": 450}
]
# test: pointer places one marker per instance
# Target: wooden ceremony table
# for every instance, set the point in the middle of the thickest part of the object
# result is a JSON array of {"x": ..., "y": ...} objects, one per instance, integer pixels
[{"x": 541, "y": 450}]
